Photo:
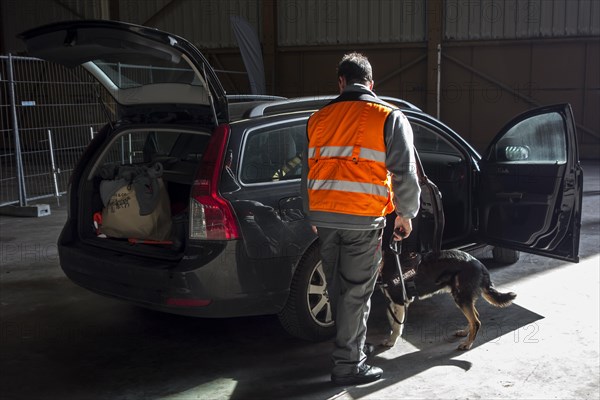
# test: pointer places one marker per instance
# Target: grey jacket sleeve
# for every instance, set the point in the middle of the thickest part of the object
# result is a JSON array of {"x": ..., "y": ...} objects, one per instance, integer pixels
[{"x": 400, "y": 161}]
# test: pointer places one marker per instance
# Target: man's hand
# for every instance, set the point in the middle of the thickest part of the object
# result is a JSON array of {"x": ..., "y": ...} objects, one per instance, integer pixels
[
  {"x": 402, "y": 228},
  {"x": 314, "y": 229}
]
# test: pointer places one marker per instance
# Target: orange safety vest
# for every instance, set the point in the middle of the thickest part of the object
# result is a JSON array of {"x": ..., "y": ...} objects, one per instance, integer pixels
[{"x": 346, "y": 158}]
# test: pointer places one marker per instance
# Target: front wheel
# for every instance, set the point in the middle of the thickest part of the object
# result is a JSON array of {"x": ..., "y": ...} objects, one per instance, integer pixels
[
  {"x": 307, "y": 313},
  {"x": 505, "y": 256}
]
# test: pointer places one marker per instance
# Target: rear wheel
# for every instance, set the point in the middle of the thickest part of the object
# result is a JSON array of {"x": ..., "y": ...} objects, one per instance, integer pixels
[{"x": 307, "y": 313}]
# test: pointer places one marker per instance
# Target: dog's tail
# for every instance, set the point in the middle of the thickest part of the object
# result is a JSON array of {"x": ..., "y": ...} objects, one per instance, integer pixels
[
  {"x": 494, "y": 297},
  {"x": 497, "y": 298}
]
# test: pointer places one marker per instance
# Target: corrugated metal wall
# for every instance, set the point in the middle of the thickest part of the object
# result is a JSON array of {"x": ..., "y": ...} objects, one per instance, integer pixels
[
  {"x": 321, "y": 22},
  {"x": 500, "y": 57},
  {"x": 203, "y": 22},
  {"x": 334, "y": 22},
  {"x": 520, "y": 19}
]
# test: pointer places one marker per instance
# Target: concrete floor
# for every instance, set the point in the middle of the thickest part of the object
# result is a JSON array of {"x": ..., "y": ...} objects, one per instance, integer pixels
[{"x": 59, "y": 341}]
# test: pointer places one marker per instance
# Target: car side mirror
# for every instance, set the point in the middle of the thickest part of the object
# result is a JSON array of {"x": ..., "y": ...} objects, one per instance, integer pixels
[{"x": 516, "y": 153}]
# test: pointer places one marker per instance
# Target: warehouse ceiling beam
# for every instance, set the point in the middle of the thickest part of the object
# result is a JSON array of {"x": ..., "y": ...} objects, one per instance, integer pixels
[
  {"x": 155, "y": 17},
  {"x": 517, "y": 93},
  {"x": 69, "y": 9},
  {"x": 401, "y": 69}
]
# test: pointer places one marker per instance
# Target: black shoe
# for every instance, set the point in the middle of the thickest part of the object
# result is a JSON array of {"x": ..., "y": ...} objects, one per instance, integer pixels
[{"x": 365, "y": 374}]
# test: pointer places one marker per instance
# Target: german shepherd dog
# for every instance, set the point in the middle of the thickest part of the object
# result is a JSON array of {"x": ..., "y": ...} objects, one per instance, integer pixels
[{"x": 453, "y": 271}]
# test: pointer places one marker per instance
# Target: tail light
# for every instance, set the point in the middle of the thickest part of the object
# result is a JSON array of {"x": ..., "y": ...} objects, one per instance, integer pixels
[{"x": 211, "y": 216}]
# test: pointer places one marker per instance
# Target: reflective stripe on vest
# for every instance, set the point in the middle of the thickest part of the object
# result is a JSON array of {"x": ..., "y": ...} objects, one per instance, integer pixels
[
  {"x": 346, "y": 158},
  {"x": 347, "y": 186},
  {"x": 346, "y": 151}
]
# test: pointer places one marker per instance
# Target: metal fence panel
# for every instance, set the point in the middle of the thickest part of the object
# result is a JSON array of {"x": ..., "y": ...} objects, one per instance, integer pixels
[
  {"x": 10, "y": 186},
  {"x": 50, "y": 120}
]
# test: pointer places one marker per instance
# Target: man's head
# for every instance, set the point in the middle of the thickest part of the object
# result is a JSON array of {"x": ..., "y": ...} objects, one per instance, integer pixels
[{"x": 354, "y": 68}]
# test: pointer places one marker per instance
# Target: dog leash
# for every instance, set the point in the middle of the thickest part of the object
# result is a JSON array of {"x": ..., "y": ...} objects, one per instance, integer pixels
[
  {"x": 396, "y": 248},
  {"x": 393, "y": 314}
]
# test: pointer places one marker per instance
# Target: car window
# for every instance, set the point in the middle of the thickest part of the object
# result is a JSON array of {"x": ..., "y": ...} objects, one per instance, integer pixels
[
  {"x": 140, "y": 147},
  {"x": 537, "y": 139},
  {"x": 273, "y": 153},
  {"x": 128, "y": 149},
  {"x": 428, "y": 141},
  {"x": 164, "y": 146},
  {"x": 135, "y": 70}
]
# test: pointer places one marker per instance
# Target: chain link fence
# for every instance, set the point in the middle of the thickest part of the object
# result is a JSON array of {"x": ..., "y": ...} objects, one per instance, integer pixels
[{"x": 49, "y": 114}]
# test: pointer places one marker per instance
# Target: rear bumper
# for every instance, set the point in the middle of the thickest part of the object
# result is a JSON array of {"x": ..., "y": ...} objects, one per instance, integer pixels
[{"x": 214, "y": 289}]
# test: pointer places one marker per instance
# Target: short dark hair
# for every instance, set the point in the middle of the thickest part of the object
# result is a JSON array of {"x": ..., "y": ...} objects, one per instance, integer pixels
[{"x": 355, "y": 68}]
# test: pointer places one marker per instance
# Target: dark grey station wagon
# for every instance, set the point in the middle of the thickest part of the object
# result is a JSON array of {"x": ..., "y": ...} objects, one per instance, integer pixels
[{"x": 237, "y": 242}]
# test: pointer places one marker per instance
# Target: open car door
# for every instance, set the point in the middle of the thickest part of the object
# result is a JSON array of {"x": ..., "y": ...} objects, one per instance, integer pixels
[{"x": 531, "y": 185}]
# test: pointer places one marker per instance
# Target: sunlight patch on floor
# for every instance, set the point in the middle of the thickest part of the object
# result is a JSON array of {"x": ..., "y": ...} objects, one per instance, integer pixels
[
  {"x": 221, "y": 388},
  {"x": 402, "y": 348},
  {"x": 343, "y": 395}
]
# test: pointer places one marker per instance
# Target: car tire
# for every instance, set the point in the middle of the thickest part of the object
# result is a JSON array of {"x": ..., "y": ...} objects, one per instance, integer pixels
[
  {"x": 505, "y": 256},
  {"x": 307, "y": 312}
]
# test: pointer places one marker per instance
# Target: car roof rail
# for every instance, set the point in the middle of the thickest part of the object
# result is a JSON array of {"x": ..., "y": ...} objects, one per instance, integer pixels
[
  {"x": 400, "y": 103},
  {"x": 239, "y": 104},
  {"x": 240, "y": 98},
  {"x": 307, "y": 103},
  {"x": 312, "y": 103}
]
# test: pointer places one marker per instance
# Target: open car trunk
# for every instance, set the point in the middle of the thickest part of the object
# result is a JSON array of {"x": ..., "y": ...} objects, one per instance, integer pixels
[{"x": 135, "y": 194}]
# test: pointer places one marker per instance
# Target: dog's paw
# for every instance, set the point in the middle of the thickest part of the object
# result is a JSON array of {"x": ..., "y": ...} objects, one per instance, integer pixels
[
  {"x": 461, "y": 333},
  {"x": 465, "y": 346}
]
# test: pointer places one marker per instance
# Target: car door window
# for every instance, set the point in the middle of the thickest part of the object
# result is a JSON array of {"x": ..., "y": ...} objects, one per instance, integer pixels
[
  {"x": 428, "y": 141},
  {"x": 273, "y": 153},
  {"x": 537, "y": 139}
]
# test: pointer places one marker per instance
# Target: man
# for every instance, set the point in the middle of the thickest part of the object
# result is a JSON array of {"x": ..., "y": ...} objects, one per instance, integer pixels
[{"x": 352, "y": 144}]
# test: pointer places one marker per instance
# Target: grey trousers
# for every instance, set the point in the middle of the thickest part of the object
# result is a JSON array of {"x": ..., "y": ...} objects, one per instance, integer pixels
[{"x": 350, "y": 261}]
